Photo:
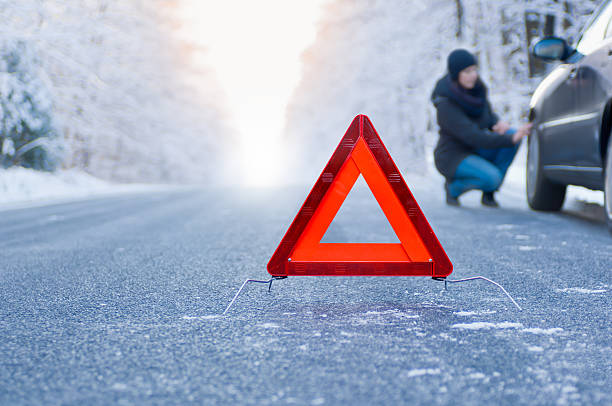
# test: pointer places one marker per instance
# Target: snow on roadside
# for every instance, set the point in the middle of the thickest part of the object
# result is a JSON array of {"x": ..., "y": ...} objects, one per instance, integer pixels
[{"x": 21, "y": 187}]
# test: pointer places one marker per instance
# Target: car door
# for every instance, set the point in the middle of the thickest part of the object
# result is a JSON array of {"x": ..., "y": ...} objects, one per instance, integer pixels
[
  {"x": 556, "y": 127},
  {"x": 591, "y": 97},
  {"x": 575, "y": 153},
  {"x": 594, "y": 90}
]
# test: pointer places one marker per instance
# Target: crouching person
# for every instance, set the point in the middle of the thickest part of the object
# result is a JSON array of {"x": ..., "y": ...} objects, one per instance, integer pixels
[{"x": 475, "y": 148}]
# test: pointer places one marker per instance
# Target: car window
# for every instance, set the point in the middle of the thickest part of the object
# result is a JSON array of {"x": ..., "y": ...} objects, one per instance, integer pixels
[{"x": 596, "y": 31}]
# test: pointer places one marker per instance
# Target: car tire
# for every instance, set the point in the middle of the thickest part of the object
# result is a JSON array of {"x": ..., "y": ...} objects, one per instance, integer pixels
[
  {"x": 542, "y": 194},
  {"x": 608, "y": 186}
]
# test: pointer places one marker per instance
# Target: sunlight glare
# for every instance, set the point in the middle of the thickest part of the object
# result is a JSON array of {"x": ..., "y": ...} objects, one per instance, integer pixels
[{"x": 255, "y": 48}]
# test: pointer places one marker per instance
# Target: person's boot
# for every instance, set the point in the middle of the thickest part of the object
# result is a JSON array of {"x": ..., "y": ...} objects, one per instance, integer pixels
[
  {"x": 450, "y": 200},
  {"x": 489, "y": 200}
]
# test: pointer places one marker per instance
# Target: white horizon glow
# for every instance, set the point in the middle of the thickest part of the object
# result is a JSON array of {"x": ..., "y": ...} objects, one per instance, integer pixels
[{"x": 254, "y": 48}]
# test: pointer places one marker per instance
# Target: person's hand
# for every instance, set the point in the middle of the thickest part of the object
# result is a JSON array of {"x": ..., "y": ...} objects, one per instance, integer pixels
[
  {"x": 501, "y": 127},
  {"x": 522, "y": 132}
]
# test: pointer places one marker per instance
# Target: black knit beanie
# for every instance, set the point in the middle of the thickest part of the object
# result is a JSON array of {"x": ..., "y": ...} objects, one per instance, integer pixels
[{"x": 458, "y": 60}]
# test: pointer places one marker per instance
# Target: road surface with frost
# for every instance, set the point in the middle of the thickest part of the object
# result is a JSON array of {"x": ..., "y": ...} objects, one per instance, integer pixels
[{"x": 116, "y": 300}]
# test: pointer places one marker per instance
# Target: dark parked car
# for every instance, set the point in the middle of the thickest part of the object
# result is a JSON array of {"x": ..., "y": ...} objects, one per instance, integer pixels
[{"x": 572, "y": 114}]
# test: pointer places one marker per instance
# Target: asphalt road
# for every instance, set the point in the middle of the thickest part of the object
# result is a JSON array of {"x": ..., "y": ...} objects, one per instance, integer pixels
[{"x": 115, "y": 301}]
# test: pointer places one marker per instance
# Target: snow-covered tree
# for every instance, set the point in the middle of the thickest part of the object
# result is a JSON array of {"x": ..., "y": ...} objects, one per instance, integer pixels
[
  {"x": 377, "y": 57},
  {"x": 128, "y": 100},
  {"x": 382, "y": 58},
  {"x": 28, "y": 135},
  {"x": 501, "y": 33}
]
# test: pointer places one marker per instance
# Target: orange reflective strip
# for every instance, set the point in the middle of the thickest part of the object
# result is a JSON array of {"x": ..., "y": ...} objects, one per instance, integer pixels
[
  {"x": 389, "y": 203},
  {"x": 351, "y": 252},
  {"x": 328, "y": 208}
]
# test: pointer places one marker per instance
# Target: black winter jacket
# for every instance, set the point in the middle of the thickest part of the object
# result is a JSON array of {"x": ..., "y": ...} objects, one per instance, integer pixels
[{"x": 461, "y": 134}]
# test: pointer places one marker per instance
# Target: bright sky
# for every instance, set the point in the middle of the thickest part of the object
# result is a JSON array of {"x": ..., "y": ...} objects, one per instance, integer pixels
[{"x": 255, "y": 47}]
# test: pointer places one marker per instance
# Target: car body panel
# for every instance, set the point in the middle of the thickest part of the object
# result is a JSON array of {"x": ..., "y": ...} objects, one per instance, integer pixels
[{"x": 568, "y": 110}]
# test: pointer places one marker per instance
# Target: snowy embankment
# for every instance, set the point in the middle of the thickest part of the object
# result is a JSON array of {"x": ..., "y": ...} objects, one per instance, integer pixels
[{"x": 20, "y": 187}]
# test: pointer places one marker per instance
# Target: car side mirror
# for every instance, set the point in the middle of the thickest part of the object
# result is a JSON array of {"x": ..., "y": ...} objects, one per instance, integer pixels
[{"x": 552, "y": 49}]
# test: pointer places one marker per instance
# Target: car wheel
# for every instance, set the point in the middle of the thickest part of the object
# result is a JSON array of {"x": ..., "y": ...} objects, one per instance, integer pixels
[
  {"x": 542, "y": 194},
  {"x": 608, "y": 186}
]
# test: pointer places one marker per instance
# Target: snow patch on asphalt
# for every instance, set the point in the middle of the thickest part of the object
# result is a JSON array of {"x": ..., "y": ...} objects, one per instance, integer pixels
[
  {"x": 485, "y": 325},
  {"x": 376, "y": 313},
  {"x": 420, "y": 372},
  {"x": 447, "y": 337},
  {"x": 406, "y": 316},
  {"x": 482, "y": 313},
  {"x": 268, "y": 325},
  {"x": 580, "y": 290},
  {"x": 118, "y": 386},
  {"x": 392, "y": 312},
  {"x": 477, "y": 375},
  {"x": 537, "y": 330},
  {"x": 381, "y": 317},
  {"x": 207, "y": 317},
  {"x": 547, "y": 331}
]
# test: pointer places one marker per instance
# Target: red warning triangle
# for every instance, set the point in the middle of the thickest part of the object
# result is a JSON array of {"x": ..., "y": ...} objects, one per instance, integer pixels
[{"x": 360, "y": 151}]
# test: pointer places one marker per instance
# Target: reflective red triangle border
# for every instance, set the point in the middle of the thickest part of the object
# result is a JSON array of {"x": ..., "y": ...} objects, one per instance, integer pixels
[{"x": 281, "y": 263}]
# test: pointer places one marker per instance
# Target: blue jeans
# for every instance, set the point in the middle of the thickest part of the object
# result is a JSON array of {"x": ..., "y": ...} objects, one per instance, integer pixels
[{"x": 485, "y": 170}]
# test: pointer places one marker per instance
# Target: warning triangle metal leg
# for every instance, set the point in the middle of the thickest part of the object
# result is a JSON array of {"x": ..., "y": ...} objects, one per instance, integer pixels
[
  {"x": 475, "y": 278},
  {"x": 269, "y": 282}
]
